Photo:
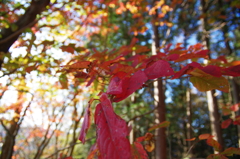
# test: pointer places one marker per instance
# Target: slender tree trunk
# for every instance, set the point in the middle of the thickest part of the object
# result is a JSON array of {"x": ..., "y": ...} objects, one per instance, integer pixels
[
  {"x": 214, "y": 114},
  {"x": 161, "y": 137},
  {"x": 189, "y": 118}
]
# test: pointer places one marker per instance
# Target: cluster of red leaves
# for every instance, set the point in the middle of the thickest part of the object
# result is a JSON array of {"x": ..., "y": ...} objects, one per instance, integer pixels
[{"x": 127, "y": 75}]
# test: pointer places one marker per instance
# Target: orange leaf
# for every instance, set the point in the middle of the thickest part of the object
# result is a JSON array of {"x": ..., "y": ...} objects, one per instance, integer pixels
[
  {"x": 214, "y": 144},
  {"x": 204, "y": 136},
  {"x": 192, "y": 139},
  {"x": 80, "y": 65},
  {"x": 150, "y": 146}
]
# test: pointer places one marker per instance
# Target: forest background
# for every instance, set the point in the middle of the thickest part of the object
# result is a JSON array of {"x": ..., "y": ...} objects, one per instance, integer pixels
[{"x": 57, "y": 57}]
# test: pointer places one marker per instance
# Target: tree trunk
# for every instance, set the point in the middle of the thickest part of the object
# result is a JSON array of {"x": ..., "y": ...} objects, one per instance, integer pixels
[
  {"x": 189, "y": 119},
  {"x": 160, "y": 134},
  {"x": 211, "y": 97}
]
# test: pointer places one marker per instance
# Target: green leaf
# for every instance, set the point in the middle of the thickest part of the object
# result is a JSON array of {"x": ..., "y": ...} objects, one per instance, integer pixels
[
  {"x": 205, "y": 82},
  {"x": 230, "y": 151},
  {"x": 161, "y": 125}
]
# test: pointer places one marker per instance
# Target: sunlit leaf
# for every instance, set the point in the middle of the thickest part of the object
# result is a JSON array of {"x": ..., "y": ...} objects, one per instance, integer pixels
[
  {"x": 192, "y": 139},
  {"x": 161, "y": 125},
  {"x": 186, "y": 70},
  {"x": 232, "y": 71},
  {"x": 204, "y": 136},
  {"x": 131, "y": 84},
  {"x": 205, "y": 82},
  {"x": 149, "y": 146},
  {"x": 159, "y": 69},
  {"x": 214, "y": 144},
  {"x": 111, "y": 130}
]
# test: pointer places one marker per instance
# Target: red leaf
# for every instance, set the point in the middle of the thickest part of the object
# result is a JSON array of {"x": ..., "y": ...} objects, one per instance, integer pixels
[
  {"x": 112, "y": 131},
  {"x": 187, "y": 69},
  {"x": 86, "y": 124},
  {"x": 214, "y": 144},
  {"x": 200, "y": 54},
  {"x": 235, "y": 107},
  {"x": 138, "y": 151},
  {"x": 212, "y": 70},
  {"x": 130, "y": 85},
  {"x": 173, "y": 57},
  {"x": 116, "y": 83},
  {"x": 232, "y": 71},
  {"x": 225, "y": 124},
  {"x": 159, "y": 69},
  {"x": 237, "y": 120}
]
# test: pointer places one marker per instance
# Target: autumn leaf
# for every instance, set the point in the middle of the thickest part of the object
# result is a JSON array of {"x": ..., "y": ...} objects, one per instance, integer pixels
[
  {"x": 138, "y": 151},
  {"x": 149, "y": 146},
  {"x": 131, "y": 84},
  {"x": 161, "y": 125},
  {"x": 232, "y": 71},
  {"x": 93, "y": 152},
  {"x": 158, "y": 69},
  {"x": 231, "y": 151},
  {"x": 214, "y": 144},
  {"x": 79, "y": 65},
  {"x": 192, "y": 139},
  {"x": 204, "y": 136},
  {"x": 237, "y": 120},
  {"x": 212, "y": 70},
  {"x": 205, "y": 82},
  {"x": 86, "y": 124},
  {"x": 116, "y": 83},
  {"x": 225, "y": 124},
  {"x": 235, "y": 107},
  {"x": 186, "y": 70},
  {"x": 111, "y": 130},
  {"x": 69, "y": 48},
  {"x": 200, "y": 54}
]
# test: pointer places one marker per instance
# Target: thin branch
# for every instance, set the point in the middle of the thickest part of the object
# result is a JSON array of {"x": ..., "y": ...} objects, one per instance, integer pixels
[
  {"x": 138, "y": 116},
  {"x": 19, "y": 31},
  {"x": 68, "y": 147}
]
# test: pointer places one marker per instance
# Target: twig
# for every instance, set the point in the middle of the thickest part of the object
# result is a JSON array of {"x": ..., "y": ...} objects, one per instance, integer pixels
[{"x": 68, "y": 147}]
